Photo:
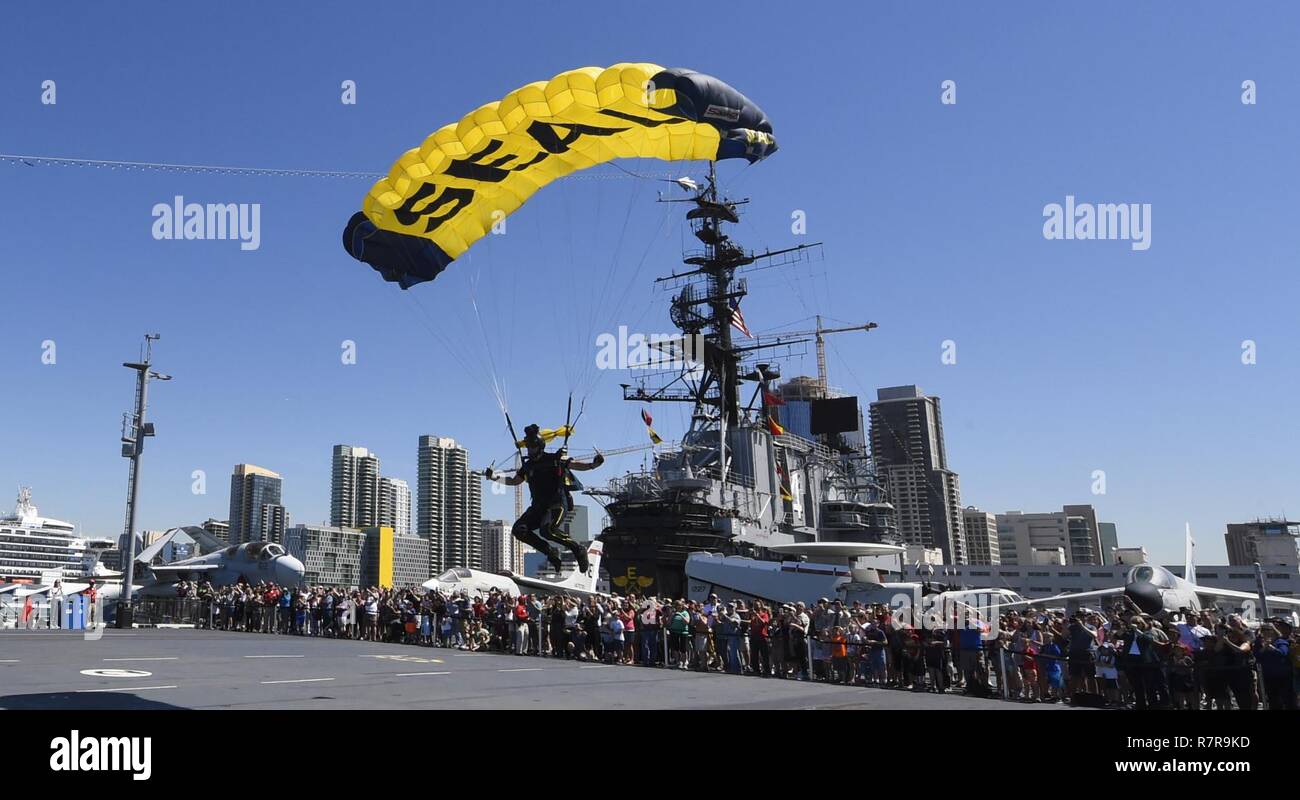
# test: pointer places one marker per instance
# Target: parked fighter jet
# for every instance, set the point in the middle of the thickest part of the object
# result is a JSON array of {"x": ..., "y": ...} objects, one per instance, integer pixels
[
  {"x": 478, "y": 582},
  {"x": 1154, "y": 589},
  {"x": 218, "y": 564}
]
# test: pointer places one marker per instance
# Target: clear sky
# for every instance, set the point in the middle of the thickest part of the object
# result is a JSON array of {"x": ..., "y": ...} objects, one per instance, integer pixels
[{"x": 1072, "y": 356}]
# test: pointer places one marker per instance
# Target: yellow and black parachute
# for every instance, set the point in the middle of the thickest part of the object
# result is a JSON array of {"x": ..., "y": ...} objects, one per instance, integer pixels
[{"x": 443, "y": 196}]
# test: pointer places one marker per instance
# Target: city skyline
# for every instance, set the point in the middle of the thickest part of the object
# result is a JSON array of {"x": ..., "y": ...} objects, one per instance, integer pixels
[
  {"x": 1068, "y": 358},
  {"x": 246, "y": 472},
  {"x": 1210, "y": 541}
]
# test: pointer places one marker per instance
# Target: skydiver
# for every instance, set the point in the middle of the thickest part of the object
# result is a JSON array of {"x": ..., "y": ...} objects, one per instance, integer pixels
[{"x": 548, "y": 485}]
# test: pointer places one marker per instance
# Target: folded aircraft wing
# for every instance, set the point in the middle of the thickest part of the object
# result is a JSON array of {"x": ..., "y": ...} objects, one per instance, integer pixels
[
  {"x": 166, "y": 570},
  {"x": 1042, "y": 601},
  {"x": 1289, "y": 602}
]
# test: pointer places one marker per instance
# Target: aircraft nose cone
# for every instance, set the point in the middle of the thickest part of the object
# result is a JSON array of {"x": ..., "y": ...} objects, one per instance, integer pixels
[
  {"x": 290, "y": 570},
  {"x": 1145, "y": 596}
]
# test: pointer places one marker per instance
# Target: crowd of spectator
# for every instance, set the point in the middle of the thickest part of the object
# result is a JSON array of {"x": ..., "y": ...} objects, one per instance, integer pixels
[{"x": 1121, "y": 658}]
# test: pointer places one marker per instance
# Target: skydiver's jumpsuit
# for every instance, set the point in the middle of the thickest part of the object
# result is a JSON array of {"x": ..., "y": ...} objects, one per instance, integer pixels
[{"x": 547, "y": 485}]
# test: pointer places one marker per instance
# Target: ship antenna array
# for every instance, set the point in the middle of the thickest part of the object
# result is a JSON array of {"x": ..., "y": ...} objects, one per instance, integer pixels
[{"x": 712, "y": 306}]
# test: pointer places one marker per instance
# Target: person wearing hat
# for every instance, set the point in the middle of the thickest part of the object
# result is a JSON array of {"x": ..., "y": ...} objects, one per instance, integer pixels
[{"x": 548, "y": 481}]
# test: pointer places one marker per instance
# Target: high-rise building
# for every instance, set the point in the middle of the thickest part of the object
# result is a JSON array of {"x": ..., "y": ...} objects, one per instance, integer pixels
[
  {"x": 577, "y": 523},
  {"x": 331, "y": 556},
  {"x": 908, "y": 451},
  {"x": 354, "y": 487},
  {"x": 795, "y": 415},
  {"x": 798, "y": 394},
  {"x": 151, "y": 537},
  {"x": 275, "y": 519},
  {"x": 1109, "y": 541},
  {"x": 218, "y": 529},
  {"x": 1085, "y": 535},
  {"x": 1270, "y": 542},
  {"x": 251, "y": 487},
  {"x": 449, "y": 505},
  {"x": 392, "y": 561},
  {"x": 395, "y": 505},
  {"x": 518, "y": 550},
  {"x": 981, "y": 529},
  {"x": 498, "y": 546},
  {"x": 1070, "y": 536}
]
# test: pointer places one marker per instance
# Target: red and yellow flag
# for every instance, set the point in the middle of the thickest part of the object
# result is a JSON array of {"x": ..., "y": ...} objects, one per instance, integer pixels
[
  {"x": 784, "y": 479},
  {"x": 648, "y": 420}
]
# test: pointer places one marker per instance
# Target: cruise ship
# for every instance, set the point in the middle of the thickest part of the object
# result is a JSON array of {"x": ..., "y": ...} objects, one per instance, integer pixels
[{"x": 33, "y": 547}]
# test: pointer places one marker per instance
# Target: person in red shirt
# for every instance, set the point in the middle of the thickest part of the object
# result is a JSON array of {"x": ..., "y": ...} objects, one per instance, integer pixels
[
  {"x": 521, "y": 625},
  {"x": 90, "y": 594},
  {"x": 758, "y": 640},
  {"x": 1031, "y": 674}
]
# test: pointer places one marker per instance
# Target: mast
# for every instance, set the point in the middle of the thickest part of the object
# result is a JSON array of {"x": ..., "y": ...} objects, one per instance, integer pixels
[
  {"x": 720, "y": 300},
  {"x": 134, "y": 431},
  {"x": 705, "y": 310}
]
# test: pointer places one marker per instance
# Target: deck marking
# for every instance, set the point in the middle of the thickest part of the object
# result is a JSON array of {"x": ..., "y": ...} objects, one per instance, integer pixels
[
  {"x": 116, "y": 673},
  {"x": 127, "y": 689},
  {"x": 301, "y": 680}
]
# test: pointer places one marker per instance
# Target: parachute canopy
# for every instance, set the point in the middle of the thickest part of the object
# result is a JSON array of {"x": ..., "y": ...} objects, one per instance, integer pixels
[{"x": 443, "y": 196}]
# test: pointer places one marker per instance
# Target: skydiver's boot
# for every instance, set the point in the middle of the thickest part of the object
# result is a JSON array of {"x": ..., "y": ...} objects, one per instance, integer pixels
[
  {"x": 578, "y": 549},
  {"x": 553, "y": 556},
  {"x": 580, "y": 552}
]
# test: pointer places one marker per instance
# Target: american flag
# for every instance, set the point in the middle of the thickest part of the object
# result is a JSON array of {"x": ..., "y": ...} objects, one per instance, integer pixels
[{"x": 738, "y": 319}]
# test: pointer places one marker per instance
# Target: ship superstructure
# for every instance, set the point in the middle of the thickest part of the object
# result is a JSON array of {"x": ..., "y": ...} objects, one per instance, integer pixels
[{"x": 738, "y": 483}]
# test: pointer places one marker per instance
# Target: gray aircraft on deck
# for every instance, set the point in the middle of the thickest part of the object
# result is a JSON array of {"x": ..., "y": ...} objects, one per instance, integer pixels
[
  {"x": 218, "y": 563},
  {"x": 1155, "y": 590}
]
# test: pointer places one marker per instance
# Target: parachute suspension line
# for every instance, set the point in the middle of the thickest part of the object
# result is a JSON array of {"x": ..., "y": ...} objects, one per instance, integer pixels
[
  {"x": 568, "y": 238},
  {"x": 424, "y": 317},
  {"x": 596, "y": 375},
  {"x": 497, "y": 386},
  {"x": 662, "y": 177},
  {"x": 594, "y": 310},
  {"x": 582, "y": 406},
  {"x": 740, "y": 177},
  {"x": 665, "y": 215}
]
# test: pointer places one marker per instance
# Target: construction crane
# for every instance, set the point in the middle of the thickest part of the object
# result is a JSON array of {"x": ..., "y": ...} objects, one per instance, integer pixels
[
  {"x": 618, "y": 451},
  {"x": 821, "y": 332}
]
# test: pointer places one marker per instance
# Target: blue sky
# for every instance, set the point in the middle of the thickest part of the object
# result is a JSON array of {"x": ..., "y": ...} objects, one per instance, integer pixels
[{"x": 1072, "y": 356}]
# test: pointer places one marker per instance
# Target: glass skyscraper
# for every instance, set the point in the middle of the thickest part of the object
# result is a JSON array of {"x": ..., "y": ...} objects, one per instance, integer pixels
[{"x": 252, "y": 488}]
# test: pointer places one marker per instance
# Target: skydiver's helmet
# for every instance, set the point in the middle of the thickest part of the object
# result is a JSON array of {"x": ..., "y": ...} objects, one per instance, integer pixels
[{"x": 533, "y": 440}]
